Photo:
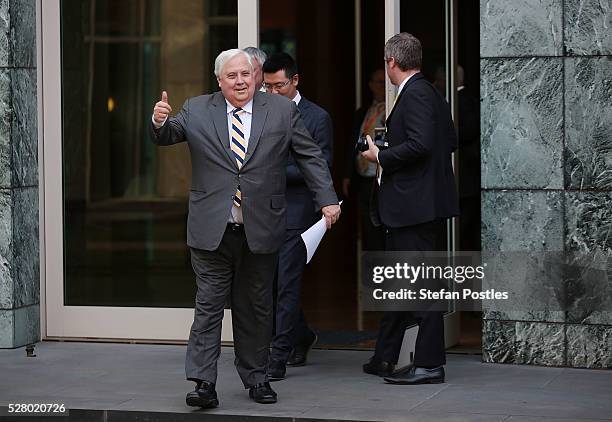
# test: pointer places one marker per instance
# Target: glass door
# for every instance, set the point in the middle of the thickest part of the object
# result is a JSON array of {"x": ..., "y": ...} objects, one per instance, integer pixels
[
  {"x": 116, "y": 263},
  {"x": 330, "y": 295},
  {"x": 433, "y": 23}
]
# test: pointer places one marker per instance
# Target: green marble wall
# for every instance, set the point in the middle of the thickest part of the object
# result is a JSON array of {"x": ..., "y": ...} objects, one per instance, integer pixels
[
  {"x": 546, "y": 144},
  {"x": 19, "y": 239}
]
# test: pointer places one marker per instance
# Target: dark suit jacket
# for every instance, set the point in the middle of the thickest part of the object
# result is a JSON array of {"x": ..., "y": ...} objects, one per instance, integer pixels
[
  {"x": 418, "y": 184},
  {"x": 301, "y": 210},
  {"x": 277, "y": 131}
]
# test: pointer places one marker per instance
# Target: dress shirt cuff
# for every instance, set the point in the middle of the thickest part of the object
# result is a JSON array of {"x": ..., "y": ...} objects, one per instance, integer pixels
[{"x": 155, "y": 124}]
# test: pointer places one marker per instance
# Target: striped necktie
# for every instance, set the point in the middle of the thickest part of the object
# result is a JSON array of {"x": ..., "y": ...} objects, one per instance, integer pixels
[{"x": 238, "y": 146}]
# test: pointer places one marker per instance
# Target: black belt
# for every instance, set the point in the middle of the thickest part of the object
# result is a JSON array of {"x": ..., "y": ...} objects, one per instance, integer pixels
[{"x": 235, "y": 227}]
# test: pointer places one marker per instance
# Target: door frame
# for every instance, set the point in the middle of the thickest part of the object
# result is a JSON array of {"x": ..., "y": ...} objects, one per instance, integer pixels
[
  {"x": 93, "y": 322},
  {"x": 392, "y": 27},
  {"x": 133, "y": 323}
]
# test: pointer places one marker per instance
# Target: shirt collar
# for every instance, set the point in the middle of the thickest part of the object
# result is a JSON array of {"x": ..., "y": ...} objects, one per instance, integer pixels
[
  {"x": 297, "y": 97},
  {"x": 404, "y": 83},
  {"x": 248, "y": 107}
]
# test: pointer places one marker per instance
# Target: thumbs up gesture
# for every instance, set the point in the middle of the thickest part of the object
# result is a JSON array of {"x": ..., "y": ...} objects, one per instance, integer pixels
[{"x": 162, "y": 109}]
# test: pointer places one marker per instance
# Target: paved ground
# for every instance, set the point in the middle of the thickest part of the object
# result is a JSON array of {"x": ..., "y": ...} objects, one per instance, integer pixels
[{"x": 121, "y": 379}]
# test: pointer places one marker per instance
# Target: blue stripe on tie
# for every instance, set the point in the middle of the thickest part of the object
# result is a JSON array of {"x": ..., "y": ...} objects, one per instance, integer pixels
[
  {"x": 238, "y": 131},
  {"x": 239, "y": 145},
  {"x": 237, "y": 200},
  {"x": 239, "y": 158}
]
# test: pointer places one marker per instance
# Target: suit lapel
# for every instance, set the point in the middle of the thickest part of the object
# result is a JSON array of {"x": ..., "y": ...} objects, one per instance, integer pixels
[
  {"x": 219, "y": 113},
  {"x": 303, "y": 105},
  {"x": 397, "y": 100},
  {"x": 260, "y": 113}
]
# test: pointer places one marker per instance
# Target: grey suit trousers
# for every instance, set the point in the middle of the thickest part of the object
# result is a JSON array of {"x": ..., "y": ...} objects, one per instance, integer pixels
[{"x": 232, "y": 271}]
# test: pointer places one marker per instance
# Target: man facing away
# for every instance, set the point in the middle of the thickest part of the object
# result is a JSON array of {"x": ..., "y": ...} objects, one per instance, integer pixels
[
  {"x": 240, "y": 142},
  {"x": 416, "y": 195},
  {"x": 293, "y": 338}
]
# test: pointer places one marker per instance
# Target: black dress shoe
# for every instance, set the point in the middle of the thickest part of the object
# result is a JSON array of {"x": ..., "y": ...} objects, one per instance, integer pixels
[
  {"x": 418, "y": 376},
  {"x": 378, "y": 367},
  {"x": 262, "y": 393},
  {"x": 300, "y": 351},
  {"x": 276, "y": 370},
  {"x": 203, "y": 396}
]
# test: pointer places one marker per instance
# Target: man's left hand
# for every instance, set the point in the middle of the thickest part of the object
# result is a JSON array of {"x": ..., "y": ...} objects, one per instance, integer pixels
[
  {"x": 331, "y": 214},
  {"x": 372, "y": 152}
]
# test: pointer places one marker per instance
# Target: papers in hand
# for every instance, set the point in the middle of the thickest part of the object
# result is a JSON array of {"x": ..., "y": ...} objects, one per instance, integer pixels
[{"x": 313, "y": 236}]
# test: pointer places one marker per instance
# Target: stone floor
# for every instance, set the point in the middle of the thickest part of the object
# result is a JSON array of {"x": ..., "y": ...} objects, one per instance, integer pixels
[{"x": 119, "y": 382}]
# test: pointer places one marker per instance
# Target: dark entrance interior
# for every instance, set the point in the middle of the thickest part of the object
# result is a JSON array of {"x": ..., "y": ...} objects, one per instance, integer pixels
[
  {"x": 125, "y": 200},
  {"x": 320, "y": 34}
]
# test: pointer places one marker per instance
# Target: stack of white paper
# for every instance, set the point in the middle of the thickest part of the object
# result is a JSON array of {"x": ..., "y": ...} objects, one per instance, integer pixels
[{"x": 313, "y": 236}]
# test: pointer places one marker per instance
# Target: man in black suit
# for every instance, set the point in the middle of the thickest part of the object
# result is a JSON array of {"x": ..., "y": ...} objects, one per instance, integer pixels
[
  {"x": 293, "y": 338},
  {"x": 416, "y": 195}
]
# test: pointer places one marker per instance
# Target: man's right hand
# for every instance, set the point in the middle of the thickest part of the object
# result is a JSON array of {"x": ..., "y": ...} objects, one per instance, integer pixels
[
  {"x": 331, "y": 214},
  {"x": 162, "y": 109}
]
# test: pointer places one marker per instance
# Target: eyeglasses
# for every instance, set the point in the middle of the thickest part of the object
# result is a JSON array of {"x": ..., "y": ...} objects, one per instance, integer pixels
[{"x": 277, "y": 86}]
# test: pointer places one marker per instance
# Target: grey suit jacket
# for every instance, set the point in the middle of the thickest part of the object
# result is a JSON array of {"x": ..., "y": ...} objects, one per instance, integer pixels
[{"x": 276, "y": 131}]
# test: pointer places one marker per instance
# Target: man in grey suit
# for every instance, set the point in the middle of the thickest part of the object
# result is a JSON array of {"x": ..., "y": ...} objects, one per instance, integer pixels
[{"x": 240, "y": 142}]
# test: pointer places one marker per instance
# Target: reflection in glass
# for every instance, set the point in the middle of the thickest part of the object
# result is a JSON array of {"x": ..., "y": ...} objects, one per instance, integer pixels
[
  {"x": 125, "y": 201},
  {"x": 427, "y": 22}
]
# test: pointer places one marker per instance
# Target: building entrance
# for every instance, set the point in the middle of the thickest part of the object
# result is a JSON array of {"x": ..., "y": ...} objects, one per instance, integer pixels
[
  {"x": 338, "y": 47},
  {"x": 116, "y": 262}
]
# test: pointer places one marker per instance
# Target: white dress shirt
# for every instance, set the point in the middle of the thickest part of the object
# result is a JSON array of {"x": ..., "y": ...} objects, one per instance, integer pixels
[
  {"x": 246, "y": 118},
  {"x": 155, "y": 124},
  {"x": 297, "y": 98}
]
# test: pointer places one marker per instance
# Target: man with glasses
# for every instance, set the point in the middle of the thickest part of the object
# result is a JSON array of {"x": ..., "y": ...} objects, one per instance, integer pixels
[{"x": 293, "y": 338}]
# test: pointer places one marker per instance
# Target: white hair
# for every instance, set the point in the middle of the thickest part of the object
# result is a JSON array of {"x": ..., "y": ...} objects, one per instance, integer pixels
[
  {"x": 257, "y": 54},
  {"x": 227, "y": 55}
]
